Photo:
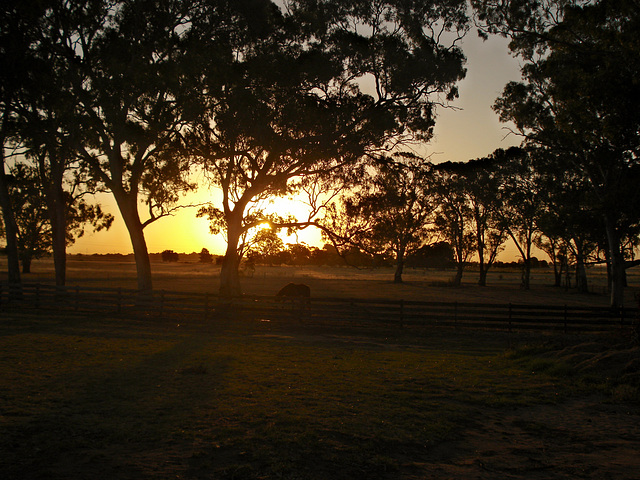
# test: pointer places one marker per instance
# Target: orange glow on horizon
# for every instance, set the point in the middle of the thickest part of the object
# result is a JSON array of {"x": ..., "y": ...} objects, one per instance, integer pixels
[{"x": 183, "y": 232}]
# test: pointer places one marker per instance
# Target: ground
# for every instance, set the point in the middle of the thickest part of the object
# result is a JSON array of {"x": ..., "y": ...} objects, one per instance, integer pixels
[
  {"x": 123, "y": 398},
  {"x": 341, "y": 281}
]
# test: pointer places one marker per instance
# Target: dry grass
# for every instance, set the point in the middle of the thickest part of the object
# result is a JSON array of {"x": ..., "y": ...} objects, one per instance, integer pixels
[{"x": 503, "y": 285}]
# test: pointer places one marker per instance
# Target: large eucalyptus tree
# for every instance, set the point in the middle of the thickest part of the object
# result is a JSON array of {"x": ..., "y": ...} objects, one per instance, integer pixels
[
  {"x": 390, "y": 213},
  {"x": 19, "y": 26},
  {"x": 316, "y": 87},
  {"x": 129, "y": 72}
]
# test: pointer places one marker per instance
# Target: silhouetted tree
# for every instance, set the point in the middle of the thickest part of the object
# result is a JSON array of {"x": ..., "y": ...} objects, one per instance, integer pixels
[
  {"x": 435, "y": 255},
  {"x": 579, "y": 98},
  {"x": 361, "y": 76},
  {"x": 129, "y": 73},
  {"x": 32, "y": 219},
  {"x": 521, "y": 198},
  {"x": 454, "y": 217},
  {"x": 300, "y": 253},
  {"x": 568, "y": 222},
  {"x": 37, "y": 110},
  {"x": 170, "y": 256},
  {"x": 265, "y": 246},
  {"x": 482, "y": 190},
  {"x": 20, "y": 24},
  {"x": 389, "y": 214},
  {"x": 205, "y": 256},
  {"x": 30, "y": 214},
  {"x": 477, "y": 184}
]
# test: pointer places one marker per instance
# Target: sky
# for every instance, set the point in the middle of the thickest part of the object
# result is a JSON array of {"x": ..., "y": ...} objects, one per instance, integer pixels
[{"x": 468, "y": 131}]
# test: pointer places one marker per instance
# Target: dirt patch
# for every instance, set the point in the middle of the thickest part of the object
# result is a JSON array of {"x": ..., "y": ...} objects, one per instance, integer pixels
[{"x": 579, "y": 438}]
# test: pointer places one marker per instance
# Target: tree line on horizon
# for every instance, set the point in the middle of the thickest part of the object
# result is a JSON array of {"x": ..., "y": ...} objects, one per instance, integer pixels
[{"x": 324, "y": 100}]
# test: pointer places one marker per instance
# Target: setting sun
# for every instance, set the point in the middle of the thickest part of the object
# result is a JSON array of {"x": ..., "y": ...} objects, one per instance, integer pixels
[{"x": 184, "y": 232}]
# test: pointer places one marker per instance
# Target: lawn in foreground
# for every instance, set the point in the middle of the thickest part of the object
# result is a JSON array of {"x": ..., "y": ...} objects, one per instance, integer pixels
[{"x": 114, "y": 398}]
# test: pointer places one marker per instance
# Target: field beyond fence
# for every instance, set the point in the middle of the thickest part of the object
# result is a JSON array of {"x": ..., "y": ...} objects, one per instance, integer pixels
[{"x": 317, "y": 310}]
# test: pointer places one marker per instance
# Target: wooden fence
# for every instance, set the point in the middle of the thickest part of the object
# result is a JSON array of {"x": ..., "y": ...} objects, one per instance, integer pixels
[{"x": 329, "y": 311}]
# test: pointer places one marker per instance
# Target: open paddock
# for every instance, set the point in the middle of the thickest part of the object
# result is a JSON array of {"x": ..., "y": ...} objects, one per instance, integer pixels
[
  {"x": 337, "y": 282},
  {"x": 250, "y": 397},
  {"x": 108, "y": 397}
]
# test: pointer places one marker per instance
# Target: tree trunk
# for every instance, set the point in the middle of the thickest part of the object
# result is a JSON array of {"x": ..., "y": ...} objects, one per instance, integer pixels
[
  {"x": 10, "y": 229},
  {"x": 229, "y": 274},
  {"x": 59, "y": 245},
  {"x": 57, "y": 217},
  {"x": 482, "y": 280},
  {"x": 526, "y": 274},
  {"x": 26, "y": 263},
  {"x": 616, "y": 258},
  {"x": 557, "y": 269},
  {"x": 57, "y": 209},
  {"x": 483, "y": 276},
  {"x": 581, "y": 274},
  {"x": 457, "y": 281},
  {"x": 128, "y": 208},
  {"x": 397, "y": 276},
  {"x": 557, "y": 276}
]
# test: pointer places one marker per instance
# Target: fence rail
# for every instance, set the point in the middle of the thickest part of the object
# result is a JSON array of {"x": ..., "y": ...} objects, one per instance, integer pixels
[{"x": 331, "y": 311}]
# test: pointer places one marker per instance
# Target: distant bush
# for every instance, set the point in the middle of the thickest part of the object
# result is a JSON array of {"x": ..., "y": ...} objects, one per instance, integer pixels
[
  {"x": 436, "y": 255},
  {"x": 169, "y": 256},
  {"x": 205, "y": 256}
]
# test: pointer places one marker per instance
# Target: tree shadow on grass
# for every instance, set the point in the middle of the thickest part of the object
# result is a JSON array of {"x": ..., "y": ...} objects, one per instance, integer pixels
[{"x": 94, "y": 421}]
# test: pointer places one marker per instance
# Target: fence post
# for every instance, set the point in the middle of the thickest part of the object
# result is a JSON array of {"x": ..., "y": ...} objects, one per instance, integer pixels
[
  {"x": 401, "y": 313},
  {"x": 510, "y": 316},
  {"x": 565, "y": 318},
  {"x": 37, "y": 302}
]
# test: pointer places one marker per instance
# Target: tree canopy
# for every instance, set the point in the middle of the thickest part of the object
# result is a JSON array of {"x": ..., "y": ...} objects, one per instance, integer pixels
[
  {"x": 579, "y": 98},
  {"x": 360, "y": 78}
]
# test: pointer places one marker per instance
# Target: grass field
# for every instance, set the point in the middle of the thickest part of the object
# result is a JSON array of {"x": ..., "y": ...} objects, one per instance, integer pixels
[
  {"x": 119, "y": 398},
  {"x": 88, "y": 398},
  {"x": 431, "y": 285}
]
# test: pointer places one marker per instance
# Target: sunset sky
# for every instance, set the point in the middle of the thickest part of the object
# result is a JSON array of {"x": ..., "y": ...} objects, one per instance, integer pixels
[{"x": 460, "y": 135}]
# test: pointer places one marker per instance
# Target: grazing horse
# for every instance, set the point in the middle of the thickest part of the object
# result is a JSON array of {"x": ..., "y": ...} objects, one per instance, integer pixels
[
  {"x": 298, "y": 295},
  {"x": 294, "y": 290}
]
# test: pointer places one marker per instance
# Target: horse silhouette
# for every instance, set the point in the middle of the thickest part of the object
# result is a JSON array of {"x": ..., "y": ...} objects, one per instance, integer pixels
[{"x": 294, "y": 290}]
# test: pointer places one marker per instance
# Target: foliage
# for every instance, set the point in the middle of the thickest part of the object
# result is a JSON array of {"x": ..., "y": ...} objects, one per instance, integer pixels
[
  {"x": 19, "y": 26},
  {"x": 34, "y": 223},
  {"x": 265, "y": 244},
  {"x": 205, "y": 256},
  {"x": 477, "y": 184},
  {"x": 124, "y": 70},
  {"x": 30, "y": 213},
  {"x": 169, "y": 256},
  {"x": 454, "y": 217},
  {"x": 389, "y": 213},
  {"x": 578, "y": 98},
  {"x": 521, "y": 195},
  {"x": 360, "y": 77},
  {"x": 435, "y": 255}
]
